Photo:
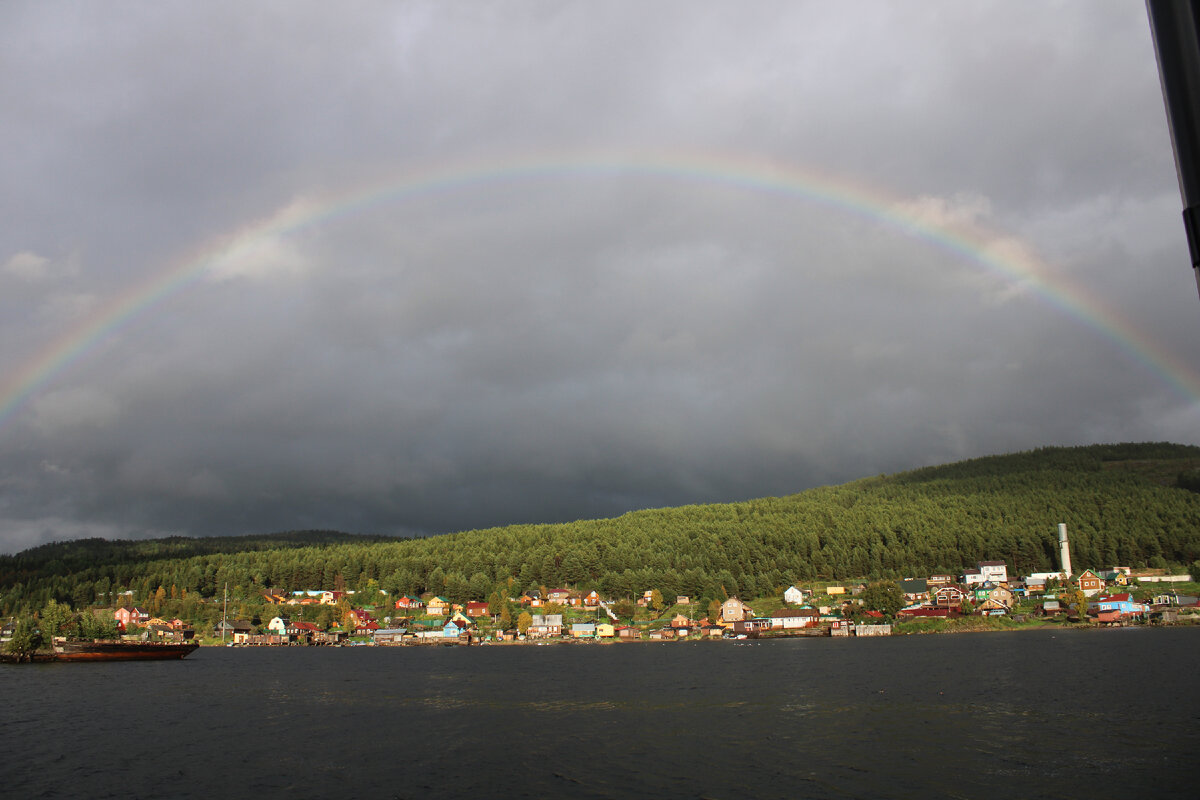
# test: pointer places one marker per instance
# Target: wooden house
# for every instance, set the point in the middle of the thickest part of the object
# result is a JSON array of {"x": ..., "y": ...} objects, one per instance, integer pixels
[
  {"x": 233, "y": 626},
  {"x": 131, "y": 615},
  {"x": 752, "y": 625},
  {"x": 1122, "y": 603},
  {"x": 303, "y": 631},
  {"x": 992, "y": 607},
  {"x": 1051, "y": 608},
  {"x": 361, "y": 616},
  {"x": 545, "y": 626},
  {"x": 437, "y": 606},
  {"x": 1116, "y": 578},
  {"x": 949, "y": 596},
  {"x": 389, "y": 636},
  {"x": 1002, "y": 595},
  {"x": 1089, "y": 583},
  {"x": 916, "y": 590},
  {"x": 936, "y": 612},
  {"x": 561, "y": 597},
  {"x": 409, "y": 603},
  {"x": 734, "y": 610}
]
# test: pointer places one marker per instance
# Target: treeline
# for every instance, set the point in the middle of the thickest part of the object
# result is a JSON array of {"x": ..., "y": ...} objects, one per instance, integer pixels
[{"x": 1123, "y": 504}]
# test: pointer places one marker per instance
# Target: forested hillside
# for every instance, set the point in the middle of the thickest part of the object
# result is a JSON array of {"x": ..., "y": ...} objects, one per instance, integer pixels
[{"x": 1124, "y": 504}]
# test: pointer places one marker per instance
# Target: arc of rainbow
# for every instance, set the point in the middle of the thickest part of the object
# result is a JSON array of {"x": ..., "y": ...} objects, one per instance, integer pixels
[{"x": 1017, "y": 265}]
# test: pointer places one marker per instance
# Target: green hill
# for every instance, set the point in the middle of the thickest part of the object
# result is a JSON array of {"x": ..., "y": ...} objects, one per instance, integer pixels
[{"x": 1123, "y": 504}]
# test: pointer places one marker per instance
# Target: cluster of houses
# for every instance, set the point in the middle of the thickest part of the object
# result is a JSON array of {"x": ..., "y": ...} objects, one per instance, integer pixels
[
  {"x": 985, "y": 589},
  {"x": 176, "y": 630}
]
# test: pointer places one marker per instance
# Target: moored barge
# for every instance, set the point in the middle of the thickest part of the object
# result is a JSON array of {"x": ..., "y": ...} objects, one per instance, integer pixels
[{"x": 108, "y": 650}]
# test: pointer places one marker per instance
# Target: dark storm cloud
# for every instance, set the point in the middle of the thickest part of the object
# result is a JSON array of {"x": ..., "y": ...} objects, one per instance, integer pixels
[{"x": 567, "y": 345}]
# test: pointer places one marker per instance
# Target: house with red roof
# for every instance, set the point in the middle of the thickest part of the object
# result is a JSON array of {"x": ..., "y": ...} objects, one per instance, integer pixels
[
  {"x": 560, "y": 596},
  {"x": 408, "y": 602},
  {"x": 927, "y": 611},
  {"x": 131, "y": 615},
  {"x": 1123, "y": 603},
  {"x": 331, "y": 597}
]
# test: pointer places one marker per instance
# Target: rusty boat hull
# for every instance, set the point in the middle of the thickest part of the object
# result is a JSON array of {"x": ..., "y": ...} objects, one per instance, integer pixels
[{"x": 122, "y": 651}]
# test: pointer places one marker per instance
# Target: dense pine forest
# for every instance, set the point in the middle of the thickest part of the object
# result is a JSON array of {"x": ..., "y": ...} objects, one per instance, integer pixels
[{"x": 1128, "y": 504}]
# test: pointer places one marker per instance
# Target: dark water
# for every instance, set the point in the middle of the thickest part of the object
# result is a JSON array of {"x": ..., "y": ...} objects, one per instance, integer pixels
[{"x": 1029, "y": 715}]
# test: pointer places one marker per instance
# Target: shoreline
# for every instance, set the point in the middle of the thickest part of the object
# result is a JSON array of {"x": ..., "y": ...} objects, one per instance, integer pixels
[
  {"x": 941, "y": 630},
  {"x": 46, "y": 657}
]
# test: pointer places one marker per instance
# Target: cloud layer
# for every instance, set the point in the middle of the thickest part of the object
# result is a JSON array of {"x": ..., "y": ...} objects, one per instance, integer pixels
[{"x": 540, "y": 344}]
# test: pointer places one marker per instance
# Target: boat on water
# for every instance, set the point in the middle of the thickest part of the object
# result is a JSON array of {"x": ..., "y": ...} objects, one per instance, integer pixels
[{"x": 109, "y": 650}]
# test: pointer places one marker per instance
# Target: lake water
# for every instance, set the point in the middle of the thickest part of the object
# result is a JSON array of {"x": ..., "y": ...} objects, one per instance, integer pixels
[{"x": 1050, "y": 714}]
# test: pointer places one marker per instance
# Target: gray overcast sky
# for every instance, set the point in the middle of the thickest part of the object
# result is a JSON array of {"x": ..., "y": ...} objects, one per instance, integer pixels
[{"x": 567, "y": 340}]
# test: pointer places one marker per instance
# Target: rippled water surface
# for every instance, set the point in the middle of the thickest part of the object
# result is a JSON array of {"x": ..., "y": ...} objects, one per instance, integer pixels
[{"x": 1029, "y": 715}]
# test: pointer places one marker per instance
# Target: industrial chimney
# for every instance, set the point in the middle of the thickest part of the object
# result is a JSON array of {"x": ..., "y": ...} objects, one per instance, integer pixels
[{"x": 1064, "y": 550}]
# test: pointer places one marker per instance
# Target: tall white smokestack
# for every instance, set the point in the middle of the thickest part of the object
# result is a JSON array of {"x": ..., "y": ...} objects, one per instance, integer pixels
[{"x": 1064, "y": 550}]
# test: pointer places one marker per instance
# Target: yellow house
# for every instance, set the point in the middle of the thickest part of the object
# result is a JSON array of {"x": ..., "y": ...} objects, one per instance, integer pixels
[
  {"x": 438, "y": 606},
  {"x": 834, "y": 590},
  {"x": 605, "y": 631}
]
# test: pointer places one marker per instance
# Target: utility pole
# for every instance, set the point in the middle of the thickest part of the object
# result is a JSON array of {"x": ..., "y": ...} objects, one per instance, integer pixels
[{"x": 1175, "y": 27}]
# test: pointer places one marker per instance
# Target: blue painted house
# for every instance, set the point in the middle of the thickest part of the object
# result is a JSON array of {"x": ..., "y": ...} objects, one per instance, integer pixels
[{"x": 1123, "y": 603}]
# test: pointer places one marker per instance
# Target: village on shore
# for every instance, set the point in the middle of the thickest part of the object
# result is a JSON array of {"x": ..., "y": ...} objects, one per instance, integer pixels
[
  {"x": 858, "y": 609},
  {"x": 980, "y": 594}
]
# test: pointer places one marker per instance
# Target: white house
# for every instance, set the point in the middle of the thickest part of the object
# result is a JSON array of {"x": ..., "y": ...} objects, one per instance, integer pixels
[
  {"x": 994, "y": 571},
  {"x": 793, "y": 596},
  {"x": 972, "y": 575},
  {"x": 279, "y": 625},
  {"x": 795, "y": 618}
]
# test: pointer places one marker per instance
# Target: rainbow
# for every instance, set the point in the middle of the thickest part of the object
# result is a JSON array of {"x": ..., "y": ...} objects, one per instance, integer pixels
[{"x": 1014, "y": 262}]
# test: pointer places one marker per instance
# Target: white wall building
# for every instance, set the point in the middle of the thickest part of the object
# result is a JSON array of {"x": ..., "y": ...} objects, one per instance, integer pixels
[{"x": 994, "y": 571}]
